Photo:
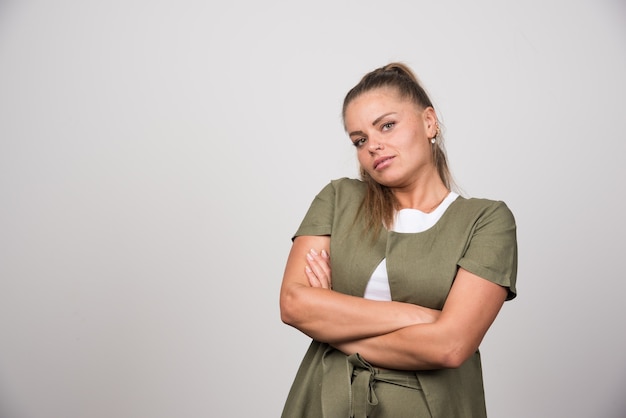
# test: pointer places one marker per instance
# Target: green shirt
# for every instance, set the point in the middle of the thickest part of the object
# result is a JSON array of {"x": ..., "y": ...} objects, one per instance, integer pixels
[{"x": 475, "y": 234}]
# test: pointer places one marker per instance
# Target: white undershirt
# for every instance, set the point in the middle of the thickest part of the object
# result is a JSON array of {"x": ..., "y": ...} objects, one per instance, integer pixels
[{"x": 405, "y": 221}]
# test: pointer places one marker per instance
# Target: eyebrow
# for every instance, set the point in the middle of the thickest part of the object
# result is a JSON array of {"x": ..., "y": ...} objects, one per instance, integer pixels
[{"x": 378, "y": 119}]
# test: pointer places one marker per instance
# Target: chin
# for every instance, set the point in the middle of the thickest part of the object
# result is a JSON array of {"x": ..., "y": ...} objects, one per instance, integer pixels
[{"x": 391, "y": 183}]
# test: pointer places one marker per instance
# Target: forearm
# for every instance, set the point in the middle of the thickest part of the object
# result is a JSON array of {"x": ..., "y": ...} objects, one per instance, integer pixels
[
  {"x": 417, "y": 347},
  {"x": 472, "y": 305},
  {"x": 332, "y": 317}
]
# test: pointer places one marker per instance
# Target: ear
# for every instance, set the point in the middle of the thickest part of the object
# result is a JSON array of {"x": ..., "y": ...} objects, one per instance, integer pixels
[{"x": 430, "y": 122}]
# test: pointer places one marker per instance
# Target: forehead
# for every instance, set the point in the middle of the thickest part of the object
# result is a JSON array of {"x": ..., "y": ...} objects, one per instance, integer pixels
[
  {"x": 371, "y": 104},
  {"x": 381, "y": 93}
]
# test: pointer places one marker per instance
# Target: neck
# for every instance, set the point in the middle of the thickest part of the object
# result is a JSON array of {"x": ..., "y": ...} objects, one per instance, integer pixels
[{"x": 424, "y": 199}]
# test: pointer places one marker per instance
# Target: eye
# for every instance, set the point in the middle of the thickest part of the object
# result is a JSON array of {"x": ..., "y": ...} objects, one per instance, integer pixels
[
  {"x": 388, "y": 125},
  {"x": 359, "y": 142}
]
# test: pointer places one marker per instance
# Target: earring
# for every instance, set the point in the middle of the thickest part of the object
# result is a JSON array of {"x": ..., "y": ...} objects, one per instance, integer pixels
[{"x": 434, "y": 138}]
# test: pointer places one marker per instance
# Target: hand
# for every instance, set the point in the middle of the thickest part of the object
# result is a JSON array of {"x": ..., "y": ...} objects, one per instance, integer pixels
[{"x": 317, "y": 269}]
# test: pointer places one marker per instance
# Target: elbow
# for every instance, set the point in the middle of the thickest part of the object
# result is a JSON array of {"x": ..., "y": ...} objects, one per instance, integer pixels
[
  {"x": 286, "y": 312},
  {"x": 289, "y": 303},
  {"x": 452, "y": 361},
  {"x": 286, "y": 316},
  {"x": 454, "y": 356}
]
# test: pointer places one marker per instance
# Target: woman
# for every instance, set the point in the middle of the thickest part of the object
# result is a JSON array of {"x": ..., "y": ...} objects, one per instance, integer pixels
[{"x": 419, "y": 273}]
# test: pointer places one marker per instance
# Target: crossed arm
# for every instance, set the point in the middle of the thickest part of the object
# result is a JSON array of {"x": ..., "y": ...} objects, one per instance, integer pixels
[{"x": 392, "y": 334}]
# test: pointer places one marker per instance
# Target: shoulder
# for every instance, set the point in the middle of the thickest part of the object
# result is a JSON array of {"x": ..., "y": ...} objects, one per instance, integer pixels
[
  {"x": 474, "y": 214},
  {"x": 337, "y": 194},
  {"x": 339, "y": 197},
  {"x": 346, "y": 184},
  {"x": 491, "y": 248},
  {"x": 343, "y": 188},
  {"x": 484, "y": 208}
]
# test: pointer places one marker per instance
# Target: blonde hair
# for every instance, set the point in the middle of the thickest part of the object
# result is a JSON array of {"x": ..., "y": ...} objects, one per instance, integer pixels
[{"x": 379, "y": 203}]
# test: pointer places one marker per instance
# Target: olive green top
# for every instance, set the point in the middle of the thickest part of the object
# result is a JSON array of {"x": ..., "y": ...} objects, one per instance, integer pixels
[{"x": 478, "y": 235}]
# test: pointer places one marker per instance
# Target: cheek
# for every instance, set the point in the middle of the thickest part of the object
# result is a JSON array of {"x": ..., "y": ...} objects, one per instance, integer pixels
[
  {"x": 361, "y": 156},
  {"x": 364, "y": 162}
]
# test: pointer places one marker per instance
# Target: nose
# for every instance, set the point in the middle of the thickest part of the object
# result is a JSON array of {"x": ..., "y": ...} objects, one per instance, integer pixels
[{"x": 375, "y": 146}]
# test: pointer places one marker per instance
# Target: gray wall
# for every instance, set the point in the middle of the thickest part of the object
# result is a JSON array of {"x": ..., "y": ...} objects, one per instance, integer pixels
[{"x": 156, "y": 156}]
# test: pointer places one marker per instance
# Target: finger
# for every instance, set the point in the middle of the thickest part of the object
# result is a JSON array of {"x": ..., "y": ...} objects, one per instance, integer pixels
[
  {"x": 326, "y": 258},
  {"x": 322, "y": 261},
  {"x": 316, "y": 272},
  {"x": 315, "y": 263},
  {"x": 313, "y": 280},
  {"x": 316, "y": 276}
]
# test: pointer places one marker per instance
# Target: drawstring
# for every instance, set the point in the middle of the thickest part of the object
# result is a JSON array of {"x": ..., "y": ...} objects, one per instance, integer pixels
[
  {"x": 364, "y": 398},
  {"x": 348, "y": 384}
]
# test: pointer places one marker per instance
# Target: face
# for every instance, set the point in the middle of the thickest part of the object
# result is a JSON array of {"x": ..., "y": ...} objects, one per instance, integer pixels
[{"x": 392, "y": 137}]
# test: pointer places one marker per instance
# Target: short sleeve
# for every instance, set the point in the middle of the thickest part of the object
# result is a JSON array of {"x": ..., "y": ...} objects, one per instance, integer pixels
[
  {"x": 319, "y": 218},
  {"x": 492, "y": 249}
]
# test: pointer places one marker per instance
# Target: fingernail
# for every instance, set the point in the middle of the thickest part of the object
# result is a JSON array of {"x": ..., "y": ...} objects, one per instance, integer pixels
[
  {"x": 324, "y": 254},
  {"x": 309, "y": 257},
  {"x": 307, "y": 268},
  {"x": 313, "y": 251}
]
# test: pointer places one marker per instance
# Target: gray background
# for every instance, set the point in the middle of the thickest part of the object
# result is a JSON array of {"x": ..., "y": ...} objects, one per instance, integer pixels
[{"x": 156, "y": 156}]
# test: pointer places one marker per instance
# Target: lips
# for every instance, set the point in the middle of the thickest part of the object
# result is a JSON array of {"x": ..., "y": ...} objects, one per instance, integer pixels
[{"x": 382, "y": 162}]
